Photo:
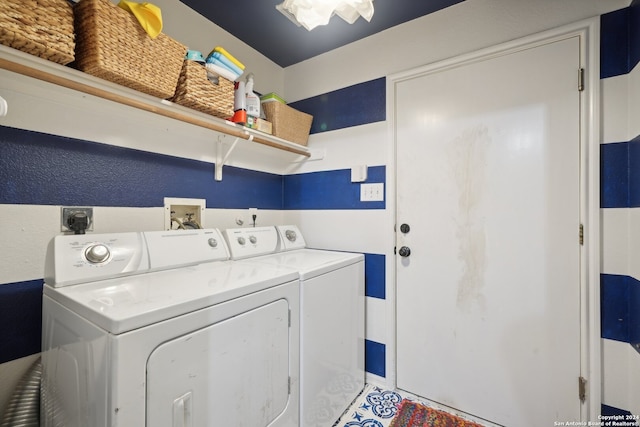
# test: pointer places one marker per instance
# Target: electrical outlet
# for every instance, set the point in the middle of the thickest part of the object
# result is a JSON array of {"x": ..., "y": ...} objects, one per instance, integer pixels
[
  {"x": 373, "y": 192},
  {"x": 253, "y": 214},
  {"x": 73, "y": 218}
]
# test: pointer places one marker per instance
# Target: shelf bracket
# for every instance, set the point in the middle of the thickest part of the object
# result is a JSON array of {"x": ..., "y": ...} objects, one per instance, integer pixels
[{"x": 223, "y": 155}]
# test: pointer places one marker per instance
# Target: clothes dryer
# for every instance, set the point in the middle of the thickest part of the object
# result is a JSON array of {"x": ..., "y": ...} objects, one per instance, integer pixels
[
  {"x": 161, "y": 329},
  {"x": 331, "y": 317}
]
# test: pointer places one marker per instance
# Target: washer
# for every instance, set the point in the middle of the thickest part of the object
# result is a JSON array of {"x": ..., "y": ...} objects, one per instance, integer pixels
[
  {"x": 161, "y": 329},
  {"x": 332, "y": 317}
]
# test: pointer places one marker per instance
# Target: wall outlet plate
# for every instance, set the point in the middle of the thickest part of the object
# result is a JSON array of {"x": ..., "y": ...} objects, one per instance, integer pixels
[{"x": 183, "y": 213}]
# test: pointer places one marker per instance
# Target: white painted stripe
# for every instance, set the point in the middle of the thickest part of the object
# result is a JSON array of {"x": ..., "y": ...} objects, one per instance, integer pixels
[
  {"x": 43, "y": 107},
  {"x": 27, "y": 230},
  {"x": 376, "y": 320},
  {"x": 634, "y": 102},
  {"x": 621, "y": 241},
  {"x": 378, "y": 380},
  {"x": 621, "y": 376},
  {"x": 346, "y": 148},
  {"x": 615, "y": 101},
  {"x": 615, "y": 240},
  {"x": 634, "y": 244},
  {"x": 347, "y": 230}
]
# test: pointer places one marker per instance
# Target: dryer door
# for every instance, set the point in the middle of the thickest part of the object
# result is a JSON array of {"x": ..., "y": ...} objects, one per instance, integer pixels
[{"x": 231, "y": 373}]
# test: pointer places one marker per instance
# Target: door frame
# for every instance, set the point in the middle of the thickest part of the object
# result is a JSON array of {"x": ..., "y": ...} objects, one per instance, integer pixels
[{"x": 590, "y": 340}]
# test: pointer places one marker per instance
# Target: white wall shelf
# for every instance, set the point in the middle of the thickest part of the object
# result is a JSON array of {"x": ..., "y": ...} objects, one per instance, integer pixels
[{"x": 31, "y": 66}]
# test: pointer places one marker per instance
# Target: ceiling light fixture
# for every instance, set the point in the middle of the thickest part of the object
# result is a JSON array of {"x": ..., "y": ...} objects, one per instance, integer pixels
[{"x": 311, "y": 13}]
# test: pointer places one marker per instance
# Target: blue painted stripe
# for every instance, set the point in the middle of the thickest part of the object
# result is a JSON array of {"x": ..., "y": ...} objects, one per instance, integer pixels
[
  {"x": 614, "y": 175},
  {"x": 620, "y": 41},
  {"x": 374, "y": 358},
  {"x": 620, "y": 174},
  {"x": 43, "y": 169},
  {"x": 634, "y": 34},
  {"x": 620, "y": 308},
  {"x": 329, "y": 190},
  {"x": 375, "y": 275},
  {"x": 611, "y": 411},
  {"x": 355, "y": 105},
  {"x": 614, "y": 43},
  {"x": 20, "y": 319}
]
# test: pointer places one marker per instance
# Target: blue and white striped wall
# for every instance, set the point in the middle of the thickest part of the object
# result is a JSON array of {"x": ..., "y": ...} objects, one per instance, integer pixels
[
  {"x": 349, "y": 124},
  {"x": 620, "y": 194},
  {"x": 40, "y": 172},
  {"x": 620, "y": 207}
]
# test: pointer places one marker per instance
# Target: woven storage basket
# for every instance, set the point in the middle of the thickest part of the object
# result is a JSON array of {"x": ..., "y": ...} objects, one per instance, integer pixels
[
  {"x": 288, "y": 123},
  {"x": 195, "y": 91},
  {"x": 111, "y": 44},
  {"x": 40, "y": 27}
]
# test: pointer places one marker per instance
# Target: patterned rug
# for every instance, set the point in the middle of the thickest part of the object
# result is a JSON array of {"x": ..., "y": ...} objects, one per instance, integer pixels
[{"x": 413, "y": 414}]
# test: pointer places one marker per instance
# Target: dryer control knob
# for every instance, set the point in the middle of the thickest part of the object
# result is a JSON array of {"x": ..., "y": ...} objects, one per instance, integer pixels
[
  {"x": 253, "y": 239},
  {"x": 213, "y": 242},
  {"x": 291, "y": 235},
  {"x": 241, "y": 240},
  {"x": 97, "y": 253}
]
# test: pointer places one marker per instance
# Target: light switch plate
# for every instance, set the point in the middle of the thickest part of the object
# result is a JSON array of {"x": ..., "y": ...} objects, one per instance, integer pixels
[{"x": 373, "y": 192}]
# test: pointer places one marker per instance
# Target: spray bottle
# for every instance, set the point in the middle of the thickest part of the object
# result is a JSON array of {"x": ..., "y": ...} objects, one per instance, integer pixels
[
  {"x": 252, "y": 100},
  {"x": 239, "y": 104}
]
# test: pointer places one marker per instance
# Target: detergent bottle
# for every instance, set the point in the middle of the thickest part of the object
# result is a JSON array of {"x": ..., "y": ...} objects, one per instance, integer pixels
[
  {"x": 252, "y": 100},
  {"x": 239, "y": 104}
]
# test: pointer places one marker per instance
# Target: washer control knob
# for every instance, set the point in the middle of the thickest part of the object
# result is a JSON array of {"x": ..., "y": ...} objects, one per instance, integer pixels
[
  {"x": 97, "y": 253},
  {"x": 213, "y": 242},
  {"x": 291, "y": 235},
  {"x": 241, "y": 240},
  {"x": 253, "y": 239},
  {"x": 404, "y": 228},
  {"x": 404, "y": 251}
]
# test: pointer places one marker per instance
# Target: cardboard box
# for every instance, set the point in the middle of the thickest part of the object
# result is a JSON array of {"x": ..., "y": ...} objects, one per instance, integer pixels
[{"x": 259, "y": 124}]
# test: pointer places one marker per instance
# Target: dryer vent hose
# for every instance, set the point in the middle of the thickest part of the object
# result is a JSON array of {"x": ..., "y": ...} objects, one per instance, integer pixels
[{"x": 23, "y": 409}]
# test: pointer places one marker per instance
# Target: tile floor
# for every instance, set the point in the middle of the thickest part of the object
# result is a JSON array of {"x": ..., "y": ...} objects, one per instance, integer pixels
[{"x": 376, "y": 407}]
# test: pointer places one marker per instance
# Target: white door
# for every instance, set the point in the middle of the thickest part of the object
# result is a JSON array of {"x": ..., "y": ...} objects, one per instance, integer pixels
[{"x": 488, "y": 181}]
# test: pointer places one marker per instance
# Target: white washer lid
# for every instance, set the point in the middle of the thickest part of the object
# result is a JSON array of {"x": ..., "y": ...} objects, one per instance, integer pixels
[
  {"x": 311, "y": 262},
  {"x": 127, "y": 303}
]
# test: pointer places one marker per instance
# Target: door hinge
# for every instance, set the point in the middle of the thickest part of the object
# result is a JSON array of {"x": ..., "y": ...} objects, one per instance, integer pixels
[
  {"x": 581, "y": 234},
  {"x": 581, "y": 80},
  {"x": 582, "y": 389}
]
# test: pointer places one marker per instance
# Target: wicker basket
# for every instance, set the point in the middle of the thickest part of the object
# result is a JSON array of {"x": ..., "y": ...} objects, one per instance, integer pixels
[
  {"x": 40, "y": 27},
  {"x": 195, "y": 91},
  {"x": 288, "y": 123},
  {"x": 111, "y": 44}
]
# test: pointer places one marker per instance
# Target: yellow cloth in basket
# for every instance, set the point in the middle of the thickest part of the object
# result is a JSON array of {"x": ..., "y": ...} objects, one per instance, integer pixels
[{"x": 149, "y": 16}]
